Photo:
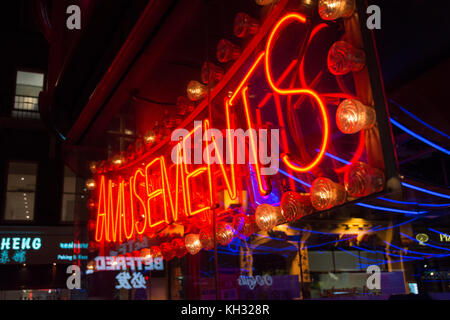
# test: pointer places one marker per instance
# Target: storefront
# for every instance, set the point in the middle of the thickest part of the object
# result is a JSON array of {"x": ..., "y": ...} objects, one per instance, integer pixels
[{"x": 244, "y": 154}]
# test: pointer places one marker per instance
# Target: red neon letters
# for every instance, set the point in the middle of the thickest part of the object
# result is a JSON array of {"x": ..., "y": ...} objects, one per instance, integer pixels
[{"x": 158, "y": 195}]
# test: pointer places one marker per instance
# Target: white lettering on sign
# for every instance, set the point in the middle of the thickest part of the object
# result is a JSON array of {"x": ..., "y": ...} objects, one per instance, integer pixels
[
  {"x": 112, "y": 263},
  {"x": 252, "y": 281},
  {"x": 18, "y": 243}
]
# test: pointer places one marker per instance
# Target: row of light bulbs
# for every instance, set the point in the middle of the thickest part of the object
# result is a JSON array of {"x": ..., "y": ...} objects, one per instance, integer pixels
[
  {"x": 360, "y": 180},
  {"x": 343, "y": 58}
]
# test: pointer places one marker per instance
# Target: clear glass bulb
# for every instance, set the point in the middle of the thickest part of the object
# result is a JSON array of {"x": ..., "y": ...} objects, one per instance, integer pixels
[
  {"x": 196, "y": 90},
  {"x": 206, "y": 239},
  {"x": 90, "y": 184},
  {"x": 244, "y": 25},
  {"x": 118, "y": 160},
  {"x": 227, "y": 51},
  {"x": 145, "y": 253},
  {"x": 344, "y": 58},
  {"x": 179, "y": 247},
  {"x": 211, "y": 74},
  {"x": 335, "y": 9},
  {"x": 361, "y": 180},
  {"x": 93, "y": 167},
  {"x": 352, "y": 116},
  {"x": 326, "y": 194},
  {"x": 155, "y": 252},
  {"x": 244, "y": 225},
  {"x": 224, "y": 233},
  {"x": 192, "y": 243},
  {"x": 167, "y": 251},
  {"x": 295, "y": 205},
  {"x": 267, "y": 217}
]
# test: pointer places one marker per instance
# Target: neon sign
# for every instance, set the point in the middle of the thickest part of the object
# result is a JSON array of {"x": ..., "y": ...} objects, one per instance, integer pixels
[{"x": 156, "y": 193}]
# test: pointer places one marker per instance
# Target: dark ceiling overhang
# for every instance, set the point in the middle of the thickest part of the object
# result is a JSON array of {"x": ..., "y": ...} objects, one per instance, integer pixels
[{"x": 111, "y": 39}]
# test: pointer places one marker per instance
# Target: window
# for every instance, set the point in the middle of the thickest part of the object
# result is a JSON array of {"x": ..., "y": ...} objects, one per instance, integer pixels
[
  {"x": 69, "y": 195},
  {"x": 28, "y": 86},
  {"x": 21, "y": 190}
]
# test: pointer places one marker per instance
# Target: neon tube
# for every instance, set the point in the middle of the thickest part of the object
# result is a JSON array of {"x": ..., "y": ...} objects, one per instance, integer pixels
[
  {"x": 425, "y": 190},
  {"x": 415, "y": 135}
]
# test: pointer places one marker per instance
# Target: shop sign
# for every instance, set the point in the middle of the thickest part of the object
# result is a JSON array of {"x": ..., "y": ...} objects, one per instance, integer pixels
[
  {"x": 113, "y": 263},
  {"x": 148, "y": 194}
]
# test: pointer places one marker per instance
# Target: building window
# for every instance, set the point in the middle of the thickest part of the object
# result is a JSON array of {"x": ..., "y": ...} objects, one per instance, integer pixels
[
  {"x": 21, "y": 190},
  {"x": 69, "y": 195},
  {"x": 28, "y": 86}
]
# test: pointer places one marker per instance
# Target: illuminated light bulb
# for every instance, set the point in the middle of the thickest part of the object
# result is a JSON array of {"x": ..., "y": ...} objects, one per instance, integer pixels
[
  {"x": 335, "y": 9},
  {"x": 91, "y": 265},
  {"x": 244, "y": 225},
  {"x": 206, "y": 239},
  {"x": 145, "y": 253},
  {"x": 244, "y": 25},
  {"x": 267, "y": 217},
  {"x": 344, "y": 58},
  {"x": 326, "y": 194},
  {"x": 149, "y": 137},
  {"x": 196, "y": 91},
  {"x": 224, "y": 233},
  {"x": 179, "y": 247},
  {"x": 167, "y": 251},
  {"x": 361, "y": 180},
  {"x": 90, "y": 184},
  {"x": 93, "y": 167},
  {"x": 192, "y": 243},
  {"x": 353, "y": 116},
  {"x": 185, "y": 106},
  {"x": 227, "y": 51},
  {"x": 118, "y": 160},
  {"x": 295, "y": 205},
  {"x": 264, "y": 2},
  {"x": 155, "y": 252},
  {"x": 211, "y": 74}
]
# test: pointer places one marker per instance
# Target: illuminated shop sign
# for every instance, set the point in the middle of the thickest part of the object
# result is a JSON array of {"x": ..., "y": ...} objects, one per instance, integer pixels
[
  {"x": 134, "y": 280},
  {"x": 115, "y": 263},
  {"x": 39, "y": 245},
  {"x": 319, "y": 102}
]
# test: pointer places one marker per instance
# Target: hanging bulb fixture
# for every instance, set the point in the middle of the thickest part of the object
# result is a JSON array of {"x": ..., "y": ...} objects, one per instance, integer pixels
[
  {"x": 326, "y": 194},
  {"x": 227, "y": 51},
  {"x": 196, "y": 91},
  {"x": 353, "y": 116},
  {"x": 335, "y": 9},
  {"x": 295, "y": 205},
  {"x": 211, "y": 74},
  {"x": 244, "y": 25},
  {"x": 192, "y": 243},
  {"x": 344, "y": 58},
  {"x": 361, "y": 180},
  {"x": 224, "y": 233},
  {"x": 206, "y": 239},
  {"x": 90, "y": 184},
  {"x": 267, "y": 216}
]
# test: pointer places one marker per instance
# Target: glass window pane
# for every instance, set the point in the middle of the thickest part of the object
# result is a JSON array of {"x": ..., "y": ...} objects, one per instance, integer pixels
[
  {"x": 68, "y": 207},
  {"x": 21, "y": 189},
  {"x": 69, "y": 195}
]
